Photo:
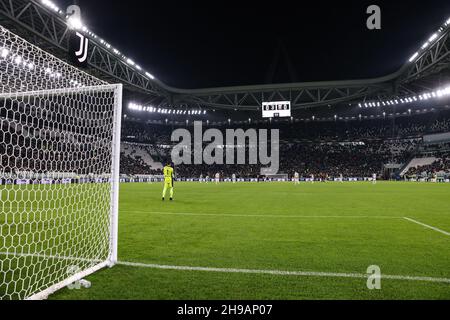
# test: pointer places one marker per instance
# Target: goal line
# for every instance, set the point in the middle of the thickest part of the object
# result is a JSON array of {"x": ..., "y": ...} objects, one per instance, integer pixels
[
  {"x": 283, "y": 272},
  {"x": 319, "y": 274}
]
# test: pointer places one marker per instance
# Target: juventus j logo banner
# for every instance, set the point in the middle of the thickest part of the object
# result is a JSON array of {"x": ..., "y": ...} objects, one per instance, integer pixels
[{"x": 79, "y": 46}]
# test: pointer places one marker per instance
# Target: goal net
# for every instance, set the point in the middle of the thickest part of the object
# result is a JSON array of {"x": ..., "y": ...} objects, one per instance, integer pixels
[{"x": 59, "y": 171}]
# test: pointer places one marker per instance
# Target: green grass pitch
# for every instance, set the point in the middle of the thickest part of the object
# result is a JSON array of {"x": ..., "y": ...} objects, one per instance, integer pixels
[{"x": 322, "y": 227}]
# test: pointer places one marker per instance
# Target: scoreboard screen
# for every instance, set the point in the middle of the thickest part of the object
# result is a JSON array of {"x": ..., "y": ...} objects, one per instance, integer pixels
[{"x": 276, "y": 109}]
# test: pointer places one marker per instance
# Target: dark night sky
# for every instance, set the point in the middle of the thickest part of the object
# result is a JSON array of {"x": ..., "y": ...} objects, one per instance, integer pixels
[{"x": 194, "y": 44}]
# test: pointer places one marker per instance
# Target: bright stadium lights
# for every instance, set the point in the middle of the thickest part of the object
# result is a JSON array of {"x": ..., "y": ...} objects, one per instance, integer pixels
[
  {"x": 151, "y": 109},
  {"x": 51, "y": 5},
  {"x": 414, "y": 56},
  {"x": 433, "y": 37},
  {"x": 74, "y": 23},
  {"x": 439, "y": 93},
  {"x": 431, "y": 40}
]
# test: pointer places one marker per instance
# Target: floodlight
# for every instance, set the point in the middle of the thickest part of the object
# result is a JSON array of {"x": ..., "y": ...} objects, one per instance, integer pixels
[
  {"x": 74, "y": 23},
  {"x": 415, "y": 55},
  {"x": 433, "y": 37}
]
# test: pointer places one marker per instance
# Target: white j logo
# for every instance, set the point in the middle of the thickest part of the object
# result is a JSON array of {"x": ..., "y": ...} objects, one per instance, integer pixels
[{"x": 81, "y": 54}]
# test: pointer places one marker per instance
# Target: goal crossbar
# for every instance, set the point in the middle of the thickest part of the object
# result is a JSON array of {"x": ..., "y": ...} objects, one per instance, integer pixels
[{"x": 56, "y": 92}]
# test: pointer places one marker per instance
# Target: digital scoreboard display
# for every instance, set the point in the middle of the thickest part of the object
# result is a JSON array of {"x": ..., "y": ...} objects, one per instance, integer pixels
[{"x": 276, "y": 109}]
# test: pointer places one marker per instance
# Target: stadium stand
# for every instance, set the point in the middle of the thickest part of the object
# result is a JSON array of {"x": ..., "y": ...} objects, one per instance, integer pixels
[
  {"x": 350, "y": 148},
  {"x": 324, "y": 149}
]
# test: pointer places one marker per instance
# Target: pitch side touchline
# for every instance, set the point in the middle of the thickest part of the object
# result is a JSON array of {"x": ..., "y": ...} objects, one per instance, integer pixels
[
  {"x": 427, "y": 226},
  {"x": 255, "y": 215},
  {"x": 282, "y": 273}
]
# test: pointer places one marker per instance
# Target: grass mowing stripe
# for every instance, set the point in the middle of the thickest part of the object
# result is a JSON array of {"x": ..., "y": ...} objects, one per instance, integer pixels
[
  {"x": 255, "y": 215},
  {"x": 427, "y": 226},
  {"x": 283, "y": 273}
]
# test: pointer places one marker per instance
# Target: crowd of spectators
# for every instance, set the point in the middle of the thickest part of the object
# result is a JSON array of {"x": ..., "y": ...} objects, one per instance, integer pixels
[
  {"x": 349, "y": 159},
  {"x": 361, "y": 159},
  {"x": 440, "y": 166},
  {"x": 317, "y": 131},
  {"x": 130, "y": 165},
  {"x": 353, "y": 148}
]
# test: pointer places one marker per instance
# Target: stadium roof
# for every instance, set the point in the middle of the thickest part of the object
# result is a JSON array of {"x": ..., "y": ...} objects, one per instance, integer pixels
[{"x": 42, "y": 22}]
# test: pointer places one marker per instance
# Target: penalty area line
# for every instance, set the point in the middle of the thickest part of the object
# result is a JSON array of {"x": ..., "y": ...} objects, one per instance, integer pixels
[
  {"x": 255, "y": 215},
  {"x": 427, "y": 226},
  {"x": 282, "y": 273}
]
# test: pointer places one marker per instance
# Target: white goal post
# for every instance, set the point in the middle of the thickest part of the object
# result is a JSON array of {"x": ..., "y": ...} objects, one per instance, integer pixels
[{"x": 59, "y": 171}]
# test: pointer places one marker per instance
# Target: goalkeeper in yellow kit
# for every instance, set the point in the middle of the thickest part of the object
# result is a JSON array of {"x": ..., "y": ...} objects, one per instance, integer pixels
[{"x": 168, "y": 181}]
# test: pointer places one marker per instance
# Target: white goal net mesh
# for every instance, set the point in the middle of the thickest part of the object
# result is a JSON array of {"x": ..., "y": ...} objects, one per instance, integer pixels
[{"x": 59, "y": 140}]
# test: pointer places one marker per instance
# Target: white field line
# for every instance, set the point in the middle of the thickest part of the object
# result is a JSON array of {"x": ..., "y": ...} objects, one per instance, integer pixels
[
  {"x": 283, "y": 273},
  {"x": 242, "y": 271},
  {"x": 427, "y": 226},
  {"x": 255, "y": 215}
]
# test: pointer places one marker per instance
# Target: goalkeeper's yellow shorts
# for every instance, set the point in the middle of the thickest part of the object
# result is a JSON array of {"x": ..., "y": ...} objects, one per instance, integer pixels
[{"x": 168, "y": 184}]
